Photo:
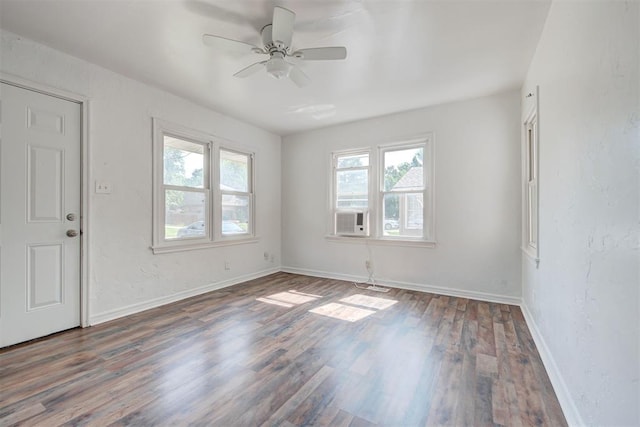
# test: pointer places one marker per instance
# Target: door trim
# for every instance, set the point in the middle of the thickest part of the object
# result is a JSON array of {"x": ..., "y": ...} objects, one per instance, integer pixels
[{"x": 84, "y": 177}]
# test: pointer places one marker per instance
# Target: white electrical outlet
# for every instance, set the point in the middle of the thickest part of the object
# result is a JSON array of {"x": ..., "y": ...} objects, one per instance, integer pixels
[
  {"x": 266, "y": 256},
  {"x": 227, "y": 266},
  {"x": 103, "y": 187},
  {"x": 367, "y": 264}
]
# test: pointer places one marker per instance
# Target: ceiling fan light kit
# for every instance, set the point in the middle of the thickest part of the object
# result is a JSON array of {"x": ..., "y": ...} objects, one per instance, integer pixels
[
  {"x": 276, "y": 38},
  {"x": 277, "y": 67}
]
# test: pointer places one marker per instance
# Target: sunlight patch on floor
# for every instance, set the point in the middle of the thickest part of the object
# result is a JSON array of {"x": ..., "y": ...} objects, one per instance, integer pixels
[
  {"x": 354, "y": 307},
  {"x": 369, "y": 302},
  {"x": 342, "y": 312},
  {"x": 350, "y": 309},
  {"x": 289, "y": 298}
]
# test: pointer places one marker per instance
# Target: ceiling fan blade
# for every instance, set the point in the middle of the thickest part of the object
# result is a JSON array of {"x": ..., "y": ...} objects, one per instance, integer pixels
[
  {"x": 282, "y": 29},
  {"x": 298, "y": 76},
  {"x": 229, "y": 44},
  {"x": 251, "y": 69},
  {"x": 321, "y": 53}
]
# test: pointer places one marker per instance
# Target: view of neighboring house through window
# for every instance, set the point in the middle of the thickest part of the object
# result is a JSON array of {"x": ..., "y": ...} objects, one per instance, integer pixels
[
  {"x": 402, "y": 206},
  {"x": 186, "y": 188},
  {"x": 236, "y": 192},
  {"x": 403, "y": 191},
  {"x": 203, "y": 193}
]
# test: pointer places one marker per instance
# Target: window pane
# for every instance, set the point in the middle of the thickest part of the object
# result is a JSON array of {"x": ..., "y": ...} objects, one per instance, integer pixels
[
  {"x": 414, "y": 210},
  {"x": 530, "y": 167},
  {"x": 235, "y": 214},
  {"x": 234, "y": 171},
  {"x": 357, "y": 160},
  {"x": 531, "y": 148},
  {"x": 183, "y": 162},
  {"x": 184, "y": 214},
  {"x": 403, "y": 215},
  {"x": 403, "y": 170},
  {"x": 352, "y": 189},
  {"x": 391, "y": 215},
  {"x": 532, "y": 214}
]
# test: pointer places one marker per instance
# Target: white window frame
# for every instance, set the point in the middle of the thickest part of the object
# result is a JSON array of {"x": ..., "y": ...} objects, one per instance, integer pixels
[
  {"x": 531, "y": 188},
  {"x": 249, "y": 193},
  {"x": 213, "y": 196},
  {"x": 334, "y": 174},
  {"x": 428, "y": 221},
  {"x": 376, "y": 187}
]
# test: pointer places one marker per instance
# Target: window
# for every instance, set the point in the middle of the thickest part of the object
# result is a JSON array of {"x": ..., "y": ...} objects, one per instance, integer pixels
[
  {"x": 188, "y": 213},
  {"x": 236, "y": 192},
  {"x": 185, "y": 188},
  {"x": 530, "y": 172},
  {"x": 403, "y": 191},
  {"x": 351, "y": 178},
  {"x": 402, "y": 207}
]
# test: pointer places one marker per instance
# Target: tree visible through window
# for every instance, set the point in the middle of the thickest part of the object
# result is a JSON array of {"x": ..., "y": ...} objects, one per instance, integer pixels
[
  {"x": 235, "y": 189},
  {"x": 185, "y": 188},
  {"x": 401, "y": 207},
  {"x": 203, "y": 194},
  {"x": 403, "y": 190}
]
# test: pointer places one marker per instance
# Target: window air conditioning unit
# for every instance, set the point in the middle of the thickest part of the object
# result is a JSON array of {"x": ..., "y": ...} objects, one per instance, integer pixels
[{"x": 352, "y": 223}]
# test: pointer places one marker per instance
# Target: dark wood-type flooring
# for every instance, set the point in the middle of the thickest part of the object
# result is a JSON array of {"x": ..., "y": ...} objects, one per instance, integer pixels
[{"x": 287, "y": 350}]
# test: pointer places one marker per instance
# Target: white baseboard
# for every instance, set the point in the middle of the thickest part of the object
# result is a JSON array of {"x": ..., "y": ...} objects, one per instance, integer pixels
[
  {"x": 146, "y": 305},
  {"x": 559, "y": 386},
  {"x": 156, "y": 302},
  {"x": 452, "y": 292}
]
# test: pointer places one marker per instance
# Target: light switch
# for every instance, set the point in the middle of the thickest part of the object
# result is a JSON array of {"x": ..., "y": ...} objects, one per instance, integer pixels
[{"x": 103, "y": 187}]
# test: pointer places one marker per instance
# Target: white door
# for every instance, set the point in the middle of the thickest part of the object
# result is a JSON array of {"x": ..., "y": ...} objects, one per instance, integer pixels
[{"x": 39, "y": 214}]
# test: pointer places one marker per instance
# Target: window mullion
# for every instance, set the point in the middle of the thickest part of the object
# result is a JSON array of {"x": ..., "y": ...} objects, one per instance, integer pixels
[
  {"x": 236, "y": 193},
  {"x": 181, "y": 188},
  {"x": 353, "y": 168}
]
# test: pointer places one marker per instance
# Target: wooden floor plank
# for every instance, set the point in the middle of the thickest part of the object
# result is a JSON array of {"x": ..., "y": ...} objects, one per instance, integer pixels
[
  {"x": 287, "y": 350},
  {"x": 447, "y": 391}
]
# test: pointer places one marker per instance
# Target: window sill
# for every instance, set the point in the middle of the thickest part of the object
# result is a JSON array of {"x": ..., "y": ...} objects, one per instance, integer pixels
[
  {"x": 195, "y": 246},
  {"x": 382, "y": 241}
]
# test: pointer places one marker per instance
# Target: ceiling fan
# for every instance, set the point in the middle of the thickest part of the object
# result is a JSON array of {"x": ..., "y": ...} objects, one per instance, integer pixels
[{"x": 276, "y": 38}]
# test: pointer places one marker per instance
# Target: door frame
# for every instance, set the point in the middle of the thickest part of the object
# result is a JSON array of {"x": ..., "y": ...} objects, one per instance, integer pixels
[{"x": 23, "y": 83}]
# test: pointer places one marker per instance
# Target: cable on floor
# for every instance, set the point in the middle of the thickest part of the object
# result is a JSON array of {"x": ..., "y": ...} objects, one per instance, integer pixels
[{"x": 371, "y": 281}]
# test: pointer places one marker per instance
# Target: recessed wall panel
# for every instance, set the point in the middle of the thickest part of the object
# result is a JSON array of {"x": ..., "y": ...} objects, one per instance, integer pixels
[
  {"x": 45, "y": 181},
  {"x": 45, "y": 121},
  {"x": 44, "y": 275}
]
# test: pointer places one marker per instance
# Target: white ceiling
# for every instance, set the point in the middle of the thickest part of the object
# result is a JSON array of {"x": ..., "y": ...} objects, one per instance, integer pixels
[{"x": 402, "y": 55}]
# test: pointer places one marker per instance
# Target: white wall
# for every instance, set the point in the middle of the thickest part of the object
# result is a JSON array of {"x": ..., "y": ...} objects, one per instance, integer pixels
[
  {"x": 477, "y": 167},
  {"x": 583, "y": 301},
  {"x": 124, "y": 274}
]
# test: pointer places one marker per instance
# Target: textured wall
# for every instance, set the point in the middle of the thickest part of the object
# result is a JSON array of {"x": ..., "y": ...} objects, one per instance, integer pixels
[
  {"x": 123, "y": 270},
  {"x": 584, "y": 297},
  {"x": 477, "y": 176}
]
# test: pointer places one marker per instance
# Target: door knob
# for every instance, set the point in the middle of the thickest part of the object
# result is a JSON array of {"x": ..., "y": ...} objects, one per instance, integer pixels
[
  {"x": 72, "y": 233},
  {"x": 71, "y": 217}
]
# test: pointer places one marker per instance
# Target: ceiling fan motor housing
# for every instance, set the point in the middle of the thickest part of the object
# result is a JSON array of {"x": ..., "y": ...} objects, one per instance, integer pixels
[{"x": 271, "y": 45}]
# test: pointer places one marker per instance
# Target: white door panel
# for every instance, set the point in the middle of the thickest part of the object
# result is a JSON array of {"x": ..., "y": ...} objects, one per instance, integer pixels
[{"x": 40, "y": 187}]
